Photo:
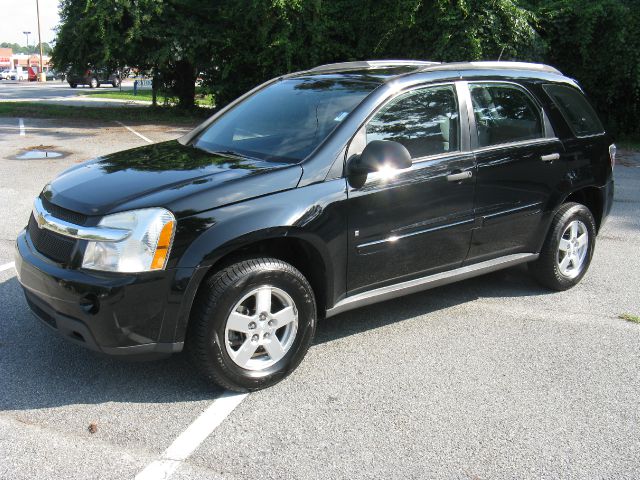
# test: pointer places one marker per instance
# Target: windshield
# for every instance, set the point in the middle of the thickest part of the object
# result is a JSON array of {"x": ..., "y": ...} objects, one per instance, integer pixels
[{"x": 287, "y": 120}]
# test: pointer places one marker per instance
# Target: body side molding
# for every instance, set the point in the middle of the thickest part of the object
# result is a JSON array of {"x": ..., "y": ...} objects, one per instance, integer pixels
[{"x": 424, "y": 283}]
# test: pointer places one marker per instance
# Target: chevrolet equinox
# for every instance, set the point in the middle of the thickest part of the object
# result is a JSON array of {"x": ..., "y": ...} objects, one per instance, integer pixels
[{"x": 313, "y": 194}]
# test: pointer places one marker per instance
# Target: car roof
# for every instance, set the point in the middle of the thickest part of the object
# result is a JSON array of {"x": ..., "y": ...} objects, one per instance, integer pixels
[{"x": 383, "y": 71}]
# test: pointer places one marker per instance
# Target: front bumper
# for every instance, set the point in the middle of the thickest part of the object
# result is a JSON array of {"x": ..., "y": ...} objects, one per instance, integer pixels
[{"x": 116, "y": 314}]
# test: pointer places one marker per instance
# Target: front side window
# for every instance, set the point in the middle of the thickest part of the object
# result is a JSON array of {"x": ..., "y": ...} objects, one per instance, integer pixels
[
  {"x": 575, "y": 109},
  {"x": 504, "y": 114},
  {"x": 287, "y": 120},
  {"x": 425, "y": 121}
]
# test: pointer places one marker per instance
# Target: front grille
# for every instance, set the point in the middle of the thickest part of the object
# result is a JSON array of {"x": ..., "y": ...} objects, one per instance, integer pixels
[
  {"x": 50, "y": 244},
  {"x": 63, "y": 213}
]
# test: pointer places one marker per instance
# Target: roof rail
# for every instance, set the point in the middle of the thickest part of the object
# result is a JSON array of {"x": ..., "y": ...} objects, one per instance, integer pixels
[
  {"x": 363, "y": 64},
  {"x": 495, "y": 65}
]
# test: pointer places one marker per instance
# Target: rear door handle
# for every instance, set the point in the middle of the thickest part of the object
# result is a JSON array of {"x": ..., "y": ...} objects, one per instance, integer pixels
[
  {"x": 457, "y": 177},
  {"x": 550, "y": 158}
]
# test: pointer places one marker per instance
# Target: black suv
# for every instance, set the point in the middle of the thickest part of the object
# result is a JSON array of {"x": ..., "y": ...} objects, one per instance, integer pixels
[
  {"x": 313, "y": 194},
  {"x": 94, "y": 78}
]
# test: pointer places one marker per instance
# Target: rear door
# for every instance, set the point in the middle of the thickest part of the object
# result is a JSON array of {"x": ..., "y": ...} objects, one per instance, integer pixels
[
  {"x": 409, "y": 223},
  {"x": 519, "y": 169}
]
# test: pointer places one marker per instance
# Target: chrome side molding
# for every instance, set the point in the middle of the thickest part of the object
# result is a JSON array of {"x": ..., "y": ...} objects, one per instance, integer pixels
[
  {"x": 99, "y": 234},
  {"x": 424, "y": 283}
]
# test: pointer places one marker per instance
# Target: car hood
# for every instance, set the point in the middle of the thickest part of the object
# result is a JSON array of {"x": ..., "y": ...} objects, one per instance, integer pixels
[{"x": 180, "y": 178}]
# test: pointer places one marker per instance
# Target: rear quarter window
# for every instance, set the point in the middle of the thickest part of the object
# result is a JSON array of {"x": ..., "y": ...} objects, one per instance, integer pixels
[{"x": 575, "y": 109}]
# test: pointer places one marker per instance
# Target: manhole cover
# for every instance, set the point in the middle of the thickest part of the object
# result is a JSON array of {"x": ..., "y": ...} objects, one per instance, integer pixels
[{"x": 37, "y": 154}]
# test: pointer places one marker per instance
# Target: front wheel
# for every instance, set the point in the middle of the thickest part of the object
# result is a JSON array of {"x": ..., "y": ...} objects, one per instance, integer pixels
[
  {"x": 568, "y": 248},
  {"x": 252, "y": 324},
  {"x": 93, "y": 83}
]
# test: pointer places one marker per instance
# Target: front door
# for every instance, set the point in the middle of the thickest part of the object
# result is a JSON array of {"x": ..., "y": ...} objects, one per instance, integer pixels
[{"x": 413, "y": 222}]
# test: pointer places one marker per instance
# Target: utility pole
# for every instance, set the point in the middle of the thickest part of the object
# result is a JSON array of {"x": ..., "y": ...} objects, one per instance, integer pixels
[{"x": 42, "y": 76}]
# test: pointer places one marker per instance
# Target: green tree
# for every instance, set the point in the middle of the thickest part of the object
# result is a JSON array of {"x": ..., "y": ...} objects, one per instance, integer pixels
[{"x": 598, "y": 43}]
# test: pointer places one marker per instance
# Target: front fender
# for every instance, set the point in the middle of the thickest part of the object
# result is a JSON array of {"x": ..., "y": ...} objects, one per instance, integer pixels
[{"x": 315, "y": 214}]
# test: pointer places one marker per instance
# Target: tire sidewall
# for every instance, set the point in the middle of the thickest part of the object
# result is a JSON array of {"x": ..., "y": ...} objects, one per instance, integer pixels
[
  {"x": 216, "y": 352},
  {"x": 576, "y": 212}
]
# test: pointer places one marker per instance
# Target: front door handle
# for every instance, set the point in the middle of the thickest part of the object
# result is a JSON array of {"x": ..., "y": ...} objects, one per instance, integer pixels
[
  {"x": 550, "y": 158},
  {"x": 458, "y": 177}
]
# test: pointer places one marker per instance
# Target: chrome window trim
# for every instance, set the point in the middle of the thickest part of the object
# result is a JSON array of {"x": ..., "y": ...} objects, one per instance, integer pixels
[
  {"x": 520, "y": 143},
  {"x": 45, "y": 220}
]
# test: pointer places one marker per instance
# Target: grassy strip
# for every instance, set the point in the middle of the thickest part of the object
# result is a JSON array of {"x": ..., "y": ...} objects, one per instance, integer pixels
[
  {"x": 171, "y": 115},
  {"x": 204, "y": 100},
  {"x": 629, "y": 318}
]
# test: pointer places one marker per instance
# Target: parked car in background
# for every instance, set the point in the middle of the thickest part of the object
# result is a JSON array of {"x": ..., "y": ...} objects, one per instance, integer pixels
[
  {"x": 54, "y": 75},
  {"x": 5, "y": 74},
  {"x": 316, "y": 193},
  {"x": 94, "y": 78},
  {"x": 17, "y": 75}
]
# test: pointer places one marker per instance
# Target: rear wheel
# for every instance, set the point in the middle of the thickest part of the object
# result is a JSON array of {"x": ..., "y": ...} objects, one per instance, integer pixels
[
  {"x": 568, "y": 248},
  {"x": 116, "y": 83},
  {"x": 252, "y": 324},
  {"x": 73, "y": 85},
  {"x": 93, "y": 83}
]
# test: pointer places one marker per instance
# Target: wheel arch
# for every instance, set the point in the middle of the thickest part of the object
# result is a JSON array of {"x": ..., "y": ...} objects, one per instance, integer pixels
[
  {"x": 592, "y": 198},
  {"x": 294, "y": 246}
]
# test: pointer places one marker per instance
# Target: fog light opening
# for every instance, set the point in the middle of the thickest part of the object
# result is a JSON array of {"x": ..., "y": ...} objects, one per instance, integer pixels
[{"x": 90, "y": 304}]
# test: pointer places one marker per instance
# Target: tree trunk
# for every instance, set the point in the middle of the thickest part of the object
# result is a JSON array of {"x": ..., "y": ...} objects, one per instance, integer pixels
[
  {"x": 185, "y": 84},
  {"x": 154, "y": 88}
]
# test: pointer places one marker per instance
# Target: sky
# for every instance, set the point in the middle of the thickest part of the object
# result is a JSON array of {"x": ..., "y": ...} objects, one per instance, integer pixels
[{"x": 19, "y": 16}]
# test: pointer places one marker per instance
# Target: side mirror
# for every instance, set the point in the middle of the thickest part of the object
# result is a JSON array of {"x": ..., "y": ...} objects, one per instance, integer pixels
[{"x": 379, "y": 155}]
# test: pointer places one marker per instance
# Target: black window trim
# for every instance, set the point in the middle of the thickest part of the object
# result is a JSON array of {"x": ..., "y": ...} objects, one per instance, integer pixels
[
  {"x": 549, "y": 134},
  {"x": 464, "y": 146}
]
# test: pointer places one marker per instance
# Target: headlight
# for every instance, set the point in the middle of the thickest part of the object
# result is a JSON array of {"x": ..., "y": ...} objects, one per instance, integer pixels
[{"x": 146, "y": 248}]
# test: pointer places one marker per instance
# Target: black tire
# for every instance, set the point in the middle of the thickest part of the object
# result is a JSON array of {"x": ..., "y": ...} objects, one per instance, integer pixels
[
  {"x": 219, "y": 294},
  {"x": 73, "y": 85},
  {"x": 546, "y": 268},
  {"x": 93, "y": 83},
  {"x": 115, "y": 83}
]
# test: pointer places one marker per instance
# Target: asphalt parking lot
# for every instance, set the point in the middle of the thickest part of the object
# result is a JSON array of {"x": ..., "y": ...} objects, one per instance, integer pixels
[{"x": 490, "y": 378}]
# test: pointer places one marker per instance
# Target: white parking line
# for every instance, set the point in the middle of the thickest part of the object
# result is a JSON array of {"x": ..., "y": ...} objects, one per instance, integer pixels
[
  {"x": 134, "y": 132},
  {"x": 21, "y": 123},
  {"x": 186, "y": 443},
  {"x": 7, "y": 266}
]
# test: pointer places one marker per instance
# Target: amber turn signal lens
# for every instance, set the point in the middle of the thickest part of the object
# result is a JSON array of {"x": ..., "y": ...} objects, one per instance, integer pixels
[{"x": 162, "y": 250}]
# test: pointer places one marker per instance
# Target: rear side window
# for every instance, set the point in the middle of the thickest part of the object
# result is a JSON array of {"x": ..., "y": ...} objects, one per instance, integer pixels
[
  {"x": 504, "y": 114},
  {"x": 425, "y": 121},
  {"x": 575, "y": 109}
]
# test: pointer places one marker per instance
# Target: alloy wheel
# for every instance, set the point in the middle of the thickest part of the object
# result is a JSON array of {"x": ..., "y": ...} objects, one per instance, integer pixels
[
  {"x": 261, "y": 328},
  {"x": 573, "y": 249}
]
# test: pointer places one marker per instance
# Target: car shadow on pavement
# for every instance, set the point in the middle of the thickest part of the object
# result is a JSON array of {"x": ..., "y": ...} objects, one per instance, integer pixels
[
  {"x": 511, "y": 282},
  {"x": 40, "y": 369}
]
